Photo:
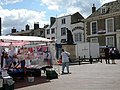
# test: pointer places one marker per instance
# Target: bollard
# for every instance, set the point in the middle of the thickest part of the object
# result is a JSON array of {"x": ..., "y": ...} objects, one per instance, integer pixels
[
  {"x": 100, "y": 58},
  {"x": 79, "y": 60},
  {"x": 91, "y": 60}
]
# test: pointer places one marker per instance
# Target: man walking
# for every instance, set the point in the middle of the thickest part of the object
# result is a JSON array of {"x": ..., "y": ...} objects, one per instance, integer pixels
[
  {"x": 65, "y": 60},
  {"x": 106, "y": 50}
]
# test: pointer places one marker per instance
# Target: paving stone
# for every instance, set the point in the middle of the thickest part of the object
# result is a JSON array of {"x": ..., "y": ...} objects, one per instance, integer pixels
[{"x": 96, "y": 76}]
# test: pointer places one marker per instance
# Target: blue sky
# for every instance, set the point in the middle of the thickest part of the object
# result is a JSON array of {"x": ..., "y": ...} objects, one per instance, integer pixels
[{"x": 18, "y": 13}]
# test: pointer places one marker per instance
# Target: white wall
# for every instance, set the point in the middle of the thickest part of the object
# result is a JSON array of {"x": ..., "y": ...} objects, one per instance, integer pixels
[
  {"x": 50, "y": 35},
  {"x": 57, "y": 25},
  {"x": 78, "y": 30},
  {"x": 87, "y": 49}
]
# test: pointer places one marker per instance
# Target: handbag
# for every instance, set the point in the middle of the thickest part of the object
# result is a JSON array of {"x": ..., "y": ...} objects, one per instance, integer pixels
[{"x": 59, "y": 61}]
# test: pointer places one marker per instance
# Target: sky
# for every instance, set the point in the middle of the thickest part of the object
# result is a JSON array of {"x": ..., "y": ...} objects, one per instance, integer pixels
[{"x": 18, "y": 13}]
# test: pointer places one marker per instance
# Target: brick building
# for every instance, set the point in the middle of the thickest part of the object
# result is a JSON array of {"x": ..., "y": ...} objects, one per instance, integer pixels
[{"x": 103, "y": 25}]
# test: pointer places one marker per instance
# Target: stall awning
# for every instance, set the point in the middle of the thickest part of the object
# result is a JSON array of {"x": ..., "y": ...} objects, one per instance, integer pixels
[
  {"x": 13, "y": 43},
  {"x": 25, "y": 38}
]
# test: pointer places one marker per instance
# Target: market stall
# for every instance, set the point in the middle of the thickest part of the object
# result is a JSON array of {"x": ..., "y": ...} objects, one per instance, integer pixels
[{"x": 31, "y": 50}]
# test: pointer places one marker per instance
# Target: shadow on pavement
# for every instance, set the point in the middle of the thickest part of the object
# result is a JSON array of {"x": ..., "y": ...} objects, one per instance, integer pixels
[{"x": 25, "y": 83}]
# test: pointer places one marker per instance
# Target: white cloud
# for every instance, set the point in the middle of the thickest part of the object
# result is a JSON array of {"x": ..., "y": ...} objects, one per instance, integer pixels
[
  {"x": 53, "y": 4},
  {"x": 106, "y": 1},
  {"x": 10, "y": 1},
  {"x": 71, "y": 6},
  {"x": 72, "y": 10},
  {"x": 19, "y": 18}
]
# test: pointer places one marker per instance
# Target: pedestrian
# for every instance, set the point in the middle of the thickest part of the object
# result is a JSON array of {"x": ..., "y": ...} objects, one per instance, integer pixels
[
  {"x": 106, "y": 50},
  {"x": 112, "y": 55},
  {"x": 47, "y": 58},
  {"x": 65, "y": 61}
]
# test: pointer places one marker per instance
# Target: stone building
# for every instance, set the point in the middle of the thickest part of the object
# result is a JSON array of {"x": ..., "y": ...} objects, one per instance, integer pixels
[
  {"x": 103, "y": 25},
  {"x": 36, "y": 31}
]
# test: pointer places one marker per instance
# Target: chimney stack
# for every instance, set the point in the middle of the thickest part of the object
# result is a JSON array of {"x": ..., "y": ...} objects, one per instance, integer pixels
[
  {"x": 52, "y": 21},
  {"x": 36, "y": 25},
  {"x": 93, "y": 8},
  {"x": 27, "y": 27},
  {"x": 13, "y": 30}
]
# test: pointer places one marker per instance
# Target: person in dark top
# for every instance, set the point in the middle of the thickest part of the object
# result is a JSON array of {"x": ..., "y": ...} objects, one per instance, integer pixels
[
  {"x": 2, "y": 58},
  {"x": 106, "y": 50},
  {"x": 112, "y": 55}
]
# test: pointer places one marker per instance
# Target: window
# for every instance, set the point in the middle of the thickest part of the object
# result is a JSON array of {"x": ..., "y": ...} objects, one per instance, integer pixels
[
  {"x": 63, "y": 21},
  {"x": 78, "y": 37},
  {"x": 53, "y": 38},
  {"x": 41, "y": 33},
  {"x": 63, "y": 40},
  {"x": 110, "y": 40},
  {"x": 63, "y": 31},
  {"x": 94, "y": 40},
  {"x": 48, "y": 31},
  {"x": 110, "y": 25},
  {"x": 104, "y": 9},
  {"x": 52, "y": 30},
  {"x": 94, "y": 27}
]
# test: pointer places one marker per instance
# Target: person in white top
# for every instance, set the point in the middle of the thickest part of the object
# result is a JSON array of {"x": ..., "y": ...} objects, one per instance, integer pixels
[
  {"x": 65, "y": 60},
  {"x": 11, "y": 50}
]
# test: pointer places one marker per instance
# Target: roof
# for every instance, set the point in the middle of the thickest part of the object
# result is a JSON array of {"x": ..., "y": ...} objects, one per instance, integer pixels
[
  {"x": 76, "y": 17},
  {"x": 111, "y": 8}
]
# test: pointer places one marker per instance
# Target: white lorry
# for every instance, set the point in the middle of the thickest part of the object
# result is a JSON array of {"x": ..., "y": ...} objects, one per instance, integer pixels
[{"x": 87, "y": 50}]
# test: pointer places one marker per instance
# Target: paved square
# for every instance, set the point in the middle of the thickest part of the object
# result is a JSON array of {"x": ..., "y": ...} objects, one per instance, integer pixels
[{"x": 96, "y": 76}]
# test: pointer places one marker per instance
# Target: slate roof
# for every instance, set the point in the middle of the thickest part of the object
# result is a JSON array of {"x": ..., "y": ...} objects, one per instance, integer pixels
[
  {"x": 76, "y": 17},
  {"x": 112, "y": 7}
]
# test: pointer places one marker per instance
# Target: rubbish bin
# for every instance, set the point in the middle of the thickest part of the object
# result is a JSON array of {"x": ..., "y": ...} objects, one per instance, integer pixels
[
  {"x": 8, "y": 87},
  {"x": 1, "y": 84},
  {"x": 8, "y": 83}
]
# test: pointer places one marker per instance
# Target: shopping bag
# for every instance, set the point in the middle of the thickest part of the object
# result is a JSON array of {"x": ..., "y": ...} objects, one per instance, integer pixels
[
  {"x": 51, "y": 74},
  {"x": 59, "y": 61}
]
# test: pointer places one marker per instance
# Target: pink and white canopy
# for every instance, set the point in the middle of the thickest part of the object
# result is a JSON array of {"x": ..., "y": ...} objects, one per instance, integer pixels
[
  {"x": 25, "y": 38},
  {"x": 13, "y": 43}
]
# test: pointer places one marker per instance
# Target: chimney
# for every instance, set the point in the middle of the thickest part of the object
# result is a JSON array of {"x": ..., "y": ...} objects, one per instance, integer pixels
[
  {"x": 0, "y": 26},
  {"x": 13, "y": 30},
  {"x": 93, "y": 8},
  {"x": 52, "y": 21},
  {"x": 27, "y": 27},
  {"x": 22, "y": 30},
  {"x": 36, "y": 25}
]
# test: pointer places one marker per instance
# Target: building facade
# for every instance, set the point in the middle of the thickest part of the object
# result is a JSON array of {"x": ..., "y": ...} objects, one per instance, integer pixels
[
  {"x": 40, "y": 32},
  {"x": 103, "y": 25},
  {"x": 59, "y": 27}
]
